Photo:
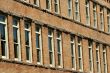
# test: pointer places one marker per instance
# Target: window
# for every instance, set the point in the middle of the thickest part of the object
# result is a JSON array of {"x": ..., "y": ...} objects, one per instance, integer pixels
[
  {"x": 51, "y": 47},
  {"x": 70, "y": 8},
  {"x": 73, "y": 52},
  {"x": 16, "y": 39},
  {"x": 101, "y": 18},
  {"x": 56, "y": 5},
  {"x": 76, "y": 9},
  {"x": 90, "y": 56},
  {"x": 28, "y": 41},
  {"x": 87, "y": 12},
  {"x": 36, "y": 2},
  {"x": 95, "y": 15},
  {"x": 104, "y": 59},
  {"x": 97, "y": 58},
  {"x": 108, "y": 20},
  {"x": 38, "y": 44},
  {"x": 80, "y": 54},
  {"x": 48, "y": 4},
  {"x": 3, "y": 36},
  {"x": 59, "y": 49}
]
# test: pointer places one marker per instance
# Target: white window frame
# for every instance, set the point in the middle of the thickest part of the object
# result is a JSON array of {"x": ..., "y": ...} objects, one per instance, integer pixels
[
  {"x": 97, "y": 60},
  {"x": 58, "y": 8},
  {"x": 90, "y": 47},
  {"x": 6, "y": 38},
  {"x": 95, "y": 15},
  {"x": 87, "y": 7},
  {"x": 51, "y": 51},
  {"x": 40, "y": 44},
  {"x": 30, "y": 45},
  {"x": 25, "y": 1},
  {"x": 36, "y": 3},
  {"x": 49, "y": 5},
  {"x": 59, "y": 39},
  {"x": 73, "y": 55},
  {"x": 108, "y": 20},
  {"x": 70, "y": 8},
  {"x": 76, "y": 10},
  {"x": 101, "y": 18},
  {"x": 104, "y": 59},
  {"x": 18, "y": 43},
  {"x": 80, "y": 58}
]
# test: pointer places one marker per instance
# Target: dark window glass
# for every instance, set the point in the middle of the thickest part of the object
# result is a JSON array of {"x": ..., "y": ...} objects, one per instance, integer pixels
[
  {"x": 27, "y": 37},
  {"x": 59, "y": 59},
  {"x": 50, "y": 43},
  {"x": 3, "y": 47},
  {"x": 37, "y": 41},
  {"x": 16, "y": 50},
  {"x": 2, "y": 31},
  {"x": 58, "y": 45},
  {"x": 15, "y": 34},
  {"x": 51, "y": 57},
  {"x": 27, "y": 53},
  {"x": 2, "y": 18},
  {"x": 79, "y": 50},
  {"x": 38, "y": 55}
]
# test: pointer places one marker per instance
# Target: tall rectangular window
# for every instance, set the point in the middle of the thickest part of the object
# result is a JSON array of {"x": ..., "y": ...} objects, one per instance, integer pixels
[
  {"x": 51, "y": 47},
  {"x": 87, "y": 12},
  {"x": 104, "y": 59},
  {"x": 97, "y": 58},
  {"x": 16, "y": 38},
  {"x": 28, "y": 41},
  {"x": 36, "y": 3},
  {"x": 76, "y": 10},
  {"x": 3, "y": 36},
  {"x": 95, "y": 15},
  {"x": 56, "y": 6},
  {"x": 38, "y": 44},
  {"x": 101, "y": 18},
  {"x": 48, "y": 4},
  {"x": 59, "y": 49},
  {"x": 90, "y": 56},
  {"x": 70, "y": 8},
  {"x": 73, "y": 52},
  {"x": 108, "y": 20},
  {"x": 80, "y": 54}
]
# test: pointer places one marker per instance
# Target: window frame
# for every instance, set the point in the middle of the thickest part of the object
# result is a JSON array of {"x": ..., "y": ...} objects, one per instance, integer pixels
[
  {"x": 40, "y": 44},
  {"x": 73, "y": 55},
  {"x": 77, "y": 10},
  {"x": 30, "y": 45},
  {"x": 59, "y": 53},
  {"x": 108, "y": 20},
  {"x": 48, "y": 6},
  {"x": 6, "y": 37},
  {"x": 18, "y": 33},
  {"x": 95, "y": 14},
  {"x": 36, "y": 3},
  {"x": 52, "y": 44},
  {"x": 102, "y": 27},
  {"x": 58, "y": 6},
  {"x": 70, "y": 8},
  {"x": 104, "y": 58}
]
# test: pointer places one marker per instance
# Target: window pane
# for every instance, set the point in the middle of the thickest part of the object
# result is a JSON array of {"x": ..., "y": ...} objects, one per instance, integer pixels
[
  {"x": 37, "y": 40},
  {"x": 38, "y": 55},
  {"x": 27, "y": 37},
  {"x": 2, "y": 18},
  {"x": 2, "y": 31},
  {"x": 3, "y": 48},
  {"x": 59, "y": 59},
  {"x": 16, "y": 52},
  {"x": 58, "y": 45},
  {"x": 79, "y": 50},
  {"x": 15, "y": 35},
  {"x": 27, "y": 53},
  {"x": 51, "y": 57},
  {"x": 50, "y": 43}
]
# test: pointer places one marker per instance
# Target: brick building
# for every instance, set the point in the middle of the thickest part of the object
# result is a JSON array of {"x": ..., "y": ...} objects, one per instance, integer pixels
[{"x": 54, "y": 36}]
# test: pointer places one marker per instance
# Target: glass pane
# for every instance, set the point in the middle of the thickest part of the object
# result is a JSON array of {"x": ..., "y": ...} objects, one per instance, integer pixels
[
  {"x": 59, "y": 59},
  {"x": 73, "y": 62},
  {"x": 15, "y": 35},
  {"x": 26, "y": 37},
  {"x": 50, "y": 43},
  {"x": 2, "y": 31},
  {"x": 59, "y": 45},
  {"x": 37, "y": 40},
  {"x": 15, "y": 21},
  {"x": 2, "y": 18},
  {"x": 38, "y": 55},
  {"x": 16, "y": 51},
  {"x": 3, "y": 48},
  {"x": 27, "y": 25},
  {"x": 79, "y": 50},
  {"x": 27, "y": 53},
  {"x": 72, "y": 49},
  {"x": 51, "y": 57},
  {"x": 97, "y": 58},
  {"x": 80, "y": 63}
]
